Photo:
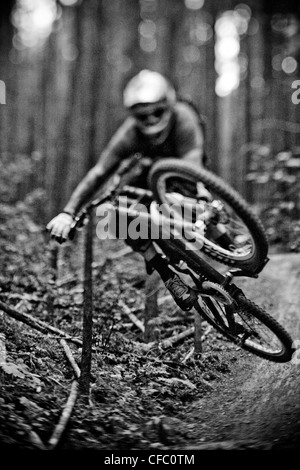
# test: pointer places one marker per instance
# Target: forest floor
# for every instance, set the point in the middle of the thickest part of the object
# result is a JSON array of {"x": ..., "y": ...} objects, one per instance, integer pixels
[{"x": 160, "y": 398}]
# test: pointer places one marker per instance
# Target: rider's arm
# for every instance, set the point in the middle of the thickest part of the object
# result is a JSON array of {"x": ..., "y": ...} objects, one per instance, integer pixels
[
  {"x": 117, "y": 149},
  {"x": 194, "y": 156},
  {"x": 87, "y": 187}
]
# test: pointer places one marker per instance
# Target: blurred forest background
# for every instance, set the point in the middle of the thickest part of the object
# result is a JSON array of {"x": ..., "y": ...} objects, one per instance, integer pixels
[
  {"x": 63, "y": 67},
  {"x": 64, "y": 63}
]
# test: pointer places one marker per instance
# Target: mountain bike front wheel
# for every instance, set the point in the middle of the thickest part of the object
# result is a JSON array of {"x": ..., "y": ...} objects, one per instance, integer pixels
[
  {"x": 172, "y": 180},
  {"x": 247, "y": 325}
]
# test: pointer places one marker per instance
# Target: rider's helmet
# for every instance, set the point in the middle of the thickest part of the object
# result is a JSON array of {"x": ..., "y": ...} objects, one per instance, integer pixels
[{"x": 150, "y": 99}]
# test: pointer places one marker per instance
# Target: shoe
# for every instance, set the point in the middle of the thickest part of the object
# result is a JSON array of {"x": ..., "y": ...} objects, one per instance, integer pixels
[{"x": 184, "y": 296}]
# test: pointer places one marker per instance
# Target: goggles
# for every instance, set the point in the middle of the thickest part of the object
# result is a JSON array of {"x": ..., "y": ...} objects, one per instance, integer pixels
[{"x": 156, "y": 113}]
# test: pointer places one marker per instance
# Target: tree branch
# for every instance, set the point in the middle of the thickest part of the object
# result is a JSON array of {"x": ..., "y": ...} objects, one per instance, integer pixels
[{"x": 37, "y": 324}]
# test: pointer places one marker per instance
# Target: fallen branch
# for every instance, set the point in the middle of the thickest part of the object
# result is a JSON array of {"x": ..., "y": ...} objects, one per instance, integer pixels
[
  {"x": 189, "y": 354},
  {"x": 70, "y": 357},
  {"x": 68, "y": 279},
  {"x": 176, "y": 381},
  {"x": 58, "y": 431},
  {"x": 163, "y": 299},
  {"x": 24, "y": 296},
  {"x": 36, "y": 440},
  {"x": 37, "y": 324},
  {"x": 169, "y": 342},
  {"x": 132, "y": 317},
  {"x": 120, "y": 253}
]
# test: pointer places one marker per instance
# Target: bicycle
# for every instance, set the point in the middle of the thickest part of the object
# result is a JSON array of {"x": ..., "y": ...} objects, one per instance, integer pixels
[{"x": 173, "y": 183}]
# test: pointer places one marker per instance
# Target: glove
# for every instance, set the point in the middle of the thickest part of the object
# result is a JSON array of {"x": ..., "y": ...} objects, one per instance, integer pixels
[
  {"x": 59, "y": 227},
  {"x": 202, "y": 193}
]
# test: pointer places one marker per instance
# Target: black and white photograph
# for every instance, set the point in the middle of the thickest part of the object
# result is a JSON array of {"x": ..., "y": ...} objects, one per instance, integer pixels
[{"x": 149, "y": 228}]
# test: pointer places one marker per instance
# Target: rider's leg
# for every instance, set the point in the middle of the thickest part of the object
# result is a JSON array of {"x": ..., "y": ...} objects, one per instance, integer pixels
[{"x": 184, "y": 296}]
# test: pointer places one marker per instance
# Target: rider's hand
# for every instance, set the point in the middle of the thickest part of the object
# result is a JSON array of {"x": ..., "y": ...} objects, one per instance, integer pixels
[
  {"x": 202, "y": 193},
  {"x": 60, "y": 226}
]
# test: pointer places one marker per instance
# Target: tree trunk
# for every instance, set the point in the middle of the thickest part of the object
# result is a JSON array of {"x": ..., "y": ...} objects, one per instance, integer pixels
[
  {"x": 151, "y": 308},
  {"x": 87, "y": 326},
  {"x": 91, "y": 102}
]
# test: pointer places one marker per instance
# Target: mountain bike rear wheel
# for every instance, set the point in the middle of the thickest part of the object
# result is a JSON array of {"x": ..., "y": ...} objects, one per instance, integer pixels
[
  {"x": 228, "y": 310},
  {"x": 249, "y": 247},
  {"x": 249, "y": 326}
]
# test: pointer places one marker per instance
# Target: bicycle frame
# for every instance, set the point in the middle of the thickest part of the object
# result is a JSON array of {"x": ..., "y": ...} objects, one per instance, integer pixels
[
  {"x": 135, "y": 195},
  {"x": 220, "y": 301}
]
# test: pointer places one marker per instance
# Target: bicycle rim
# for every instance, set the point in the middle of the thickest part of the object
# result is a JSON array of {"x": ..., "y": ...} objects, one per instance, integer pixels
[{"x": 249, "y": 244}]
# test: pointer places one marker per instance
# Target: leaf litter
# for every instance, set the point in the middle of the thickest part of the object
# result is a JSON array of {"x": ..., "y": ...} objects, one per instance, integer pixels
[{"x": 139, "y": 396}]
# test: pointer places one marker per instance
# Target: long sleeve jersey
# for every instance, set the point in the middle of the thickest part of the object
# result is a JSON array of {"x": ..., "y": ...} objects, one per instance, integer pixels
[{"x": 185, "y": 136}]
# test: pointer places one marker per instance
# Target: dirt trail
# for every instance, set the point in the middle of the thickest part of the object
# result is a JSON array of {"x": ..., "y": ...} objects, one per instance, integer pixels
[{"x": 257, "y": 405}]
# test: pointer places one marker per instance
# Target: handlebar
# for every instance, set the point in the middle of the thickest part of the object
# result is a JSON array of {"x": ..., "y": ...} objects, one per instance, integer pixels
[{"x": 79, "y": 220}]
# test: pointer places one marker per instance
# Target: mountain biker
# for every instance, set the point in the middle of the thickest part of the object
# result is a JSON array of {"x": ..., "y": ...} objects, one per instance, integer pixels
[{"x": 158, "y": 126}]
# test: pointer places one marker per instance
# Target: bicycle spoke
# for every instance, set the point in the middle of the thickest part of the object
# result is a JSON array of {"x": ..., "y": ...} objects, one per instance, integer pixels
[{"x": 256, "y": 334}]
